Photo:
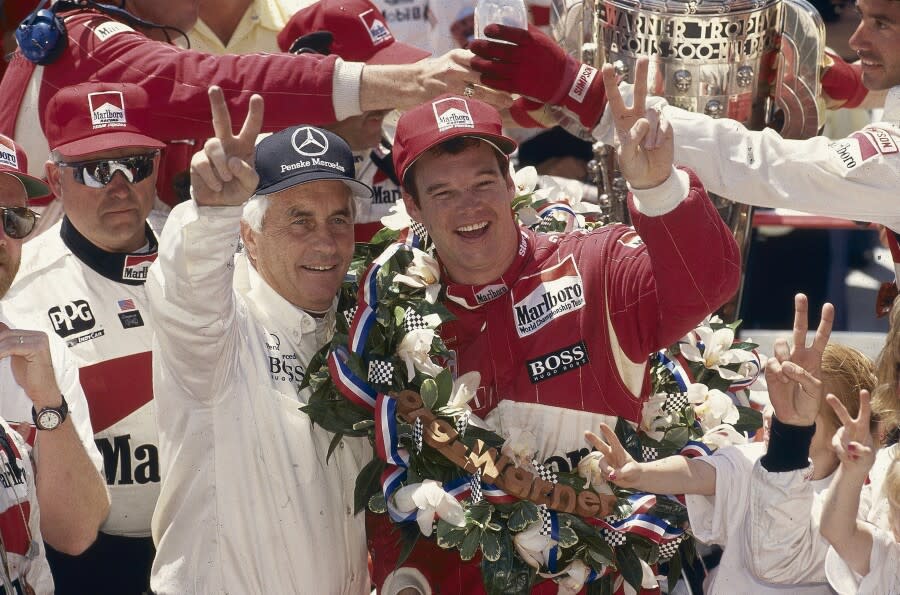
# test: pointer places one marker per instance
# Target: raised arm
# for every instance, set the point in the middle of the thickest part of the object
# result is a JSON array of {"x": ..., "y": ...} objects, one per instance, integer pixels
[
  {"x": 190, "y": 285},
  {"x": 850, "y": 538}
]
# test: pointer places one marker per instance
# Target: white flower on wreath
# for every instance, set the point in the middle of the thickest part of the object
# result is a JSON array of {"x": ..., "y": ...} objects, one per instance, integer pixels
[
  {"x": 430, "y": 499},
  {"x": 712, "y": 406},
  {"x": 555, "y": 189},
  {"x": 534, "y": 547},
  {"x": 723, "y": 435},
  {"x": 414, "y": 350},
  {"x": 397, "y": 218},
  {"x": 591, "y": 470},
  {"x": 525, "y": 179},
  {"x": 572, "y": 579},
  {"x": 654, "y": 419},
  {"x": 717, "y": 352},
  {"x": 464, "y": 389},
  {"x": 423, "y": 271},
  {"x": 520, "y": 447}
]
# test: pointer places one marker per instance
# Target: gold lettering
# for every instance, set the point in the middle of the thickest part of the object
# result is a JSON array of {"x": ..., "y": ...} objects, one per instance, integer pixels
[
  {"x": 483, "y": 459},
  {"x": 439, "y": 433},
  {"x": 564, "y": 498}
]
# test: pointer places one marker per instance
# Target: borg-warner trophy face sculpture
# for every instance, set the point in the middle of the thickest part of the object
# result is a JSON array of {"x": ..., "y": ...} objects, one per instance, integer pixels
[{"x": 755, "y": 61}]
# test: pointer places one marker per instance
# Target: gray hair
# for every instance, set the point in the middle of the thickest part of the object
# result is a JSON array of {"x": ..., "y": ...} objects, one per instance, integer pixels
[{"x": 255, "y": 211}]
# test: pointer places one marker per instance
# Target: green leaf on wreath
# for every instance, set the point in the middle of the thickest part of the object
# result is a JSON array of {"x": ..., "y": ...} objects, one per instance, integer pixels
[
  {"x": 480, "y": 513},
  {"x": 629, "y": 565},
  {"x": 490, "y": 545},
  {"x": 368, "y": 483},
  {"x": 444, "y": 382},
  {"x": 567, "y": 537},
  {"x": 603, "y": 586},
  {"x": 645, "y": 549},
  {"x": 524, "y": 513},
  {"x": 377, "y": 503},
  {"x": 429, "y": 392},
  {"x": 674, "y": 573},
  {"x": 409, "y": 536},
  {"x": 335, "y": 441},
  {"x": 364, "y": 424},
  {"x": 629, "y": 439},
  {"x": 470, "y": 544},
  {"x": 676, "y": 437},
  {"x": 749, "y": 420},
  {"x": 449, "y": 536},
  {"x": 509, "y": 574},
  {"x": 399, "y": 315}
]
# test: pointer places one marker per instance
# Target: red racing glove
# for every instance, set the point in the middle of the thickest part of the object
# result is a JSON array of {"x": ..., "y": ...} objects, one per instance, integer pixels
[
  {"x": 535, "y": 66},
  {"x": 528, "y": 113},
  {"x": 843, "y": 81}
]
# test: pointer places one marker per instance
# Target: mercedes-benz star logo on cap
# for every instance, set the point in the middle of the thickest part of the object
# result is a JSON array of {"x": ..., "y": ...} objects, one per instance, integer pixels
[{"x": 309, "y": 142}]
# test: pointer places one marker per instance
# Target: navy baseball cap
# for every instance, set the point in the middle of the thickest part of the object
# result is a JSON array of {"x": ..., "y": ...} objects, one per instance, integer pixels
[{"x": 302, "y": 154}]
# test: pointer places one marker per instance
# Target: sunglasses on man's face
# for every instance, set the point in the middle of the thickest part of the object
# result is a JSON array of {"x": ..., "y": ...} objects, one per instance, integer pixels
[
  {"x": 18, "y": 222},
  {"x": 97, "y": 173}
]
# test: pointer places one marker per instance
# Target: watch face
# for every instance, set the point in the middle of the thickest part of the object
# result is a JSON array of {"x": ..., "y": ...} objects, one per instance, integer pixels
[{"x": 48, "y": 419}]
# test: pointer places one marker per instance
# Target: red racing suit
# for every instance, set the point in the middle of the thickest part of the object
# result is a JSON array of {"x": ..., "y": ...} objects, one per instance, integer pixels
[
  {"x": 562, "y": 339},
  {"x": 296, "y": 88}
]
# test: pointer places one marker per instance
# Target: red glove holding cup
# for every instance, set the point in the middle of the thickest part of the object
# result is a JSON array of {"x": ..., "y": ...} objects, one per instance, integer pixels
[
  {"x": 532, "y": 64},
  {"x": 843, "y": 81}
]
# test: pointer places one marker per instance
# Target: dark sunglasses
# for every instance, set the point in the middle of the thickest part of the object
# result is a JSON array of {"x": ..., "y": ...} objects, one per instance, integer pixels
[
  {"x": 18, "y": 222},
  {"x": 98, "y": 173}
]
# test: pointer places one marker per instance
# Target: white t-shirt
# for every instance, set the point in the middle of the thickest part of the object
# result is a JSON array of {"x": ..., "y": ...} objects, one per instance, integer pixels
[
  {"x": 884, "y": 569},
  {"x": 725, "y": 518}
]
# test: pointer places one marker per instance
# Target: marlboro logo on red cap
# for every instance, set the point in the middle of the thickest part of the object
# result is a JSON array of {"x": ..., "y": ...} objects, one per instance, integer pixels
[
  {"x": 107, "y": 109},
  {"x": 452, "y": 112},
  {"x": 375, "y": 26},
  {"x": 8, "y": 157}
]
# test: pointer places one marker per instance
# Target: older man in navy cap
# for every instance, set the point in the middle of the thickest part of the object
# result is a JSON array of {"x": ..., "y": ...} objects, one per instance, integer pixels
[{"x": 248, "y": 503}]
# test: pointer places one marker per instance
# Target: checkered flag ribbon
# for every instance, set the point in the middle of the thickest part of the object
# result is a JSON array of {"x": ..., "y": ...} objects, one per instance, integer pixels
[
  {"x": 649, "y": 453},
  {"x": 418, "y": 229},
  {"x": 412, "y": 320},
  {"x": 418, "y": 432},
  {"x": 475, "y": 480},
  {"x": 544, "y": 472},
  {"x": 462, "y": 422},
  {"x": 380, "y": 371},
  {"x": 546, "y": 521},
  {"x": 669, "y": 549},
  {"x": 675, "y": 402},
  {"x": 613, "y": 537},
  {"x": 349, "y": 314}
]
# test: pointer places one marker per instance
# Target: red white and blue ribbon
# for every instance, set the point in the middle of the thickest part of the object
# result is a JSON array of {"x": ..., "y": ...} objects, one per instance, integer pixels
[
  {"x": 682, "y": 375},
  {"x": 354, "y": 388},
  {"x": 495, "y": 495},
  {"x": 694, "y": 448}
]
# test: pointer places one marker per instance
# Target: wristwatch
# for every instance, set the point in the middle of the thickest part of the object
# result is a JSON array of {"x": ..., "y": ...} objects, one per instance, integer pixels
[{"x": 50, "y": 418}]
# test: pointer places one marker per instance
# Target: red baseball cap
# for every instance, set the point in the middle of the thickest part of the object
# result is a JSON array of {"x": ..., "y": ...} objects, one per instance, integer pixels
[
  {"x": 359, "y": 31},
  {"x": 14, "y": 162},
  {"x": 91, "y": 117},
  {"x": 441, "y": 119}
]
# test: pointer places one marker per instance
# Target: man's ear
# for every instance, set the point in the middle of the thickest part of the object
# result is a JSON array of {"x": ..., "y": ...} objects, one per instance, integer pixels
[
  {"x": 411, "y": 207},
  {"x": 248, "y": 238},
  {"x": 53, "y": 178}
]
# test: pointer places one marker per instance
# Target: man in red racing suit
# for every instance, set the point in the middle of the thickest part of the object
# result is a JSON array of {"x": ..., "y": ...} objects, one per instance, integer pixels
[{"x": 560, "y": 326}]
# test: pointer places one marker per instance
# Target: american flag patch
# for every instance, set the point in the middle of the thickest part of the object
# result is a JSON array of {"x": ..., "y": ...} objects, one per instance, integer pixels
[{"x": 126, "y": 305}]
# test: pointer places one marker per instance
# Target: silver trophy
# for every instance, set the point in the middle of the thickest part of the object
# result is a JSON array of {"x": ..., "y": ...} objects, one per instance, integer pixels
[{"x": 755, "y": 61}]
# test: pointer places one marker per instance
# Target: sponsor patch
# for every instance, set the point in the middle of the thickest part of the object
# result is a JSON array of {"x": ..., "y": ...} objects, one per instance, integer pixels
[
  {"x": 884, "y": 142},
  {"x": 126, "y": 304},
  {"x": 85, "y": 338},
  {"x": 582, "y": 83},
  {"x": 8, "y": 157},
  {"x": 490, "y": 292},
  {"x": 72, "y": 318},
  {"x": 309, "y": 142},
  {"x": 545, "y": 296},
  {"x": 849, "y": 151},
  {"x": 131, "y": 319},
  {"x": 136, "y": 266},
  {"x": 558, "y": 362},
  {"x": 452, "y": 112},
  {"x": 107, "y": 30},
  {"x": 375, "y": 26},
  {"x": 107, "y": 109},
  {"x": 631, "y": 239}
]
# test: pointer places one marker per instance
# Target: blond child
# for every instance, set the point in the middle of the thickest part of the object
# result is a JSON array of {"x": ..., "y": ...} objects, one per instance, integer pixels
[{"x": 868, "y": 554}]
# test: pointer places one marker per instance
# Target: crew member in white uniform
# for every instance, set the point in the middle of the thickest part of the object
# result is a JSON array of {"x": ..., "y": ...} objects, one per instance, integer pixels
[
  {"x": 83, "y": 281},
  {"x": 250, "y": 501}
]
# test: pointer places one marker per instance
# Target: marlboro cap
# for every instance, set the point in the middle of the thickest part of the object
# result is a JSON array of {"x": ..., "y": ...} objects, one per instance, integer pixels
[
  {"x": 441, "y": 119},
  {"x": 14, "y": 162}
]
